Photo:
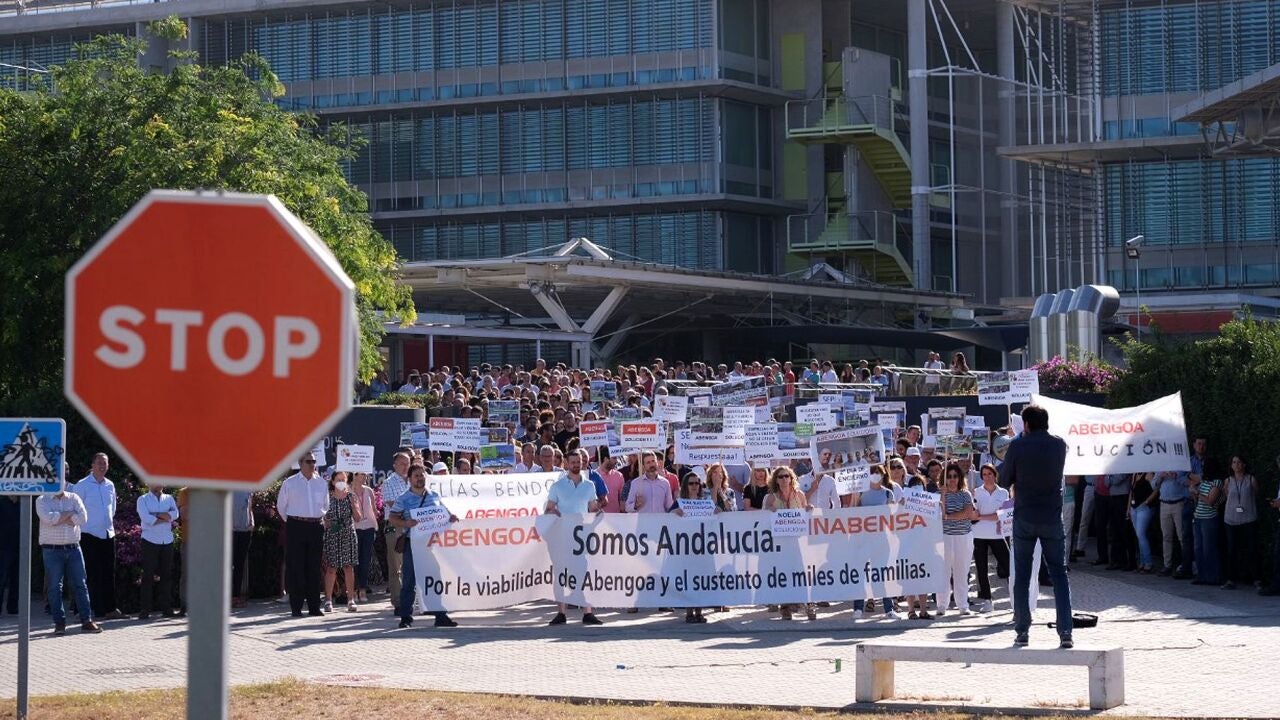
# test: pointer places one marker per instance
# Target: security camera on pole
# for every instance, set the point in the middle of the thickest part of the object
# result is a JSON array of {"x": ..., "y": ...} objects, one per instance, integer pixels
[{"x": 210, "y": 320}]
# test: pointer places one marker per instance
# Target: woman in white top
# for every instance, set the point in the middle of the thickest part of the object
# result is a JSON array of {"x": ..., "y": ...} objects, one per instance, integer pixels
[
  {"x": 366, "y": 532},
  {"x": 986, "y": 536}
]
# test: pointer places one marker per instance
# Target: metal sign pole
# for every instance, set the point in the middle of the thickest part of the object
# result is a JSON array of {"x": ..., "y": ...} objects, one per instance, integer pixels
[
  {"x": 208, "y": 602},
  {"x": 24, "y": 604}
]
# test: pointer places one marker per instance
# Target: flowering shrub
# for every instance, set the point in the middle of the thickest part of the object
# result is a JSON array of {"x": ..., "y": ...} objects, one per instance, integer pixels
[{"x": 1070, "y": 376}]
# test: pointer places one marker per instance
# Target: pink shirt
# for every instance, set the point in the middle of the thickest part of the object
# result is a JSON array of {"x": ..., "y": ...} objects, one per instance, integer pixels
[
  {"x": 656, "y": 494},
  {"x": 614, "y": 481}
]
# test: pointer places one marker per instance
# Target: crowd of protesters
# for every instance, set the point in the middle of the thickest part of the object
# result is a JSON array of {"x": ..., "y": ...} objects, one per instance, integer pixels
[{"x": 1200, "y": 525}]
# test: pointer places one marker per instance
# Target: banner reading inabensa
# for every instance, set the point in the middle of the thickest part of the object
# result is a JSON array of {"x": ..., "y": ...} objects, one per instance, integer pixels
[{"x": 655, "y": 560}]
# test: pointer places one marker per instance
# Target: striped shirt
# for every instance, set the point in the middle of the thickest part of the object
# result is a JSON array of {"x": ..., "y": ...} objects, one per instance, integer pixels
[
  {"x": 1204, "y": 510},
  {"x": 957, "y": 501}
]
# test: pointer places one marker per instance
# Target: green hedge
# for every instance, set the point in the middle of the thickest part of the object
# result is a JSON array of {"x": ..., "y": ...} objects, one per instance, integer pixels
[{"x": 1230, "y": 393}]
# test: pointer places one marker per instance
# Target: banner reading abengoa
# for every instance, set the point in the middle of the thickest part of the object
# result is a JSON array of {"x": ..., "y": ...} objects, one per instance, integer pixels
[
  {"x": 1146, "y": 438},
  {"x": 653, "y": 560}
]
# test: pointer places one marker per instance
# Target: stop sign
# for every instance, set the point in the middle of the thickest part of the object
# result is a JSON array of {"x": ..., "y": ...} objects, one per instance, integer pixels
[{"x": 210, "y": 337}]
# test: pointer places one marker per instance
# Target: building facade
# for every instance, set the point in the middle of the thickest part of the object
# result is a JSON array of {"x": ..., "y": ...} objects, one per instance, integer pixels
[{"x": 996, "y": 149}]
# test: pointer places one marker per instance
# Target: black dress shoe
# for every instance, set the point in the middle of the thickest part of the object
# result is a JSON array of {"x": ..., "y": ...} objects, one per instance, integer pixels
[
  {"x": 591, "y": 619},
  {"x": 443, "y": 620},
  {"x": 296, "y": 613},
  {"x": 406, "y": 622},
  {"x": 316, "y": 613},
  {"x": 559, "y": 619}
]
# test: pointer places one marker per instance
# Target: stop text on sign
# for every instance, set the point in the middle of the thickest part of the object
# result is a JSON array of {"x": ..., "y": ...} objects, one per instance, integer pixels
[{"x": 292, "y": 338}]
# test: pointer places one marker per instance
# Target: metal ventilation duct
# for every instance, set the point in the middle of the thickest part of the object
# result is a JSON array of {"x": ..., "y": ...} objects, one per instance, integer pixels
[{"x": 1038, "y": 340}]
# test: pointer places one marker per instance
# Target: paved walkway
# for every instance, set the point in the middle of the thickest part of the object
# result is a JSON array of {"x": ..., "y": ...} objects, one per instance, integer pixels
[{"x": 1190, "y": 651}]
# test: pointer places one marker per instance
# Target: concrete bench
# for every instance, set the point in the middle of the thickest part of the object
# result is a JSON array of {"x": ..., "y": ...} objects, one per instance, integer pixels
[{"x": 875, "y": 665}]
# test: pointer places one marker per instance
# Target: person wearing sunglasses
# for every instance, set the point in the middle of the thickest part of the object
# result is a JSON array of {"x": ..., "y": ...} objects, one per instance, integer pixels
[
  {"x": 302, "y": 504},
  {"x": 958, "y": 515},
  {"x": 690, "y": 489}
]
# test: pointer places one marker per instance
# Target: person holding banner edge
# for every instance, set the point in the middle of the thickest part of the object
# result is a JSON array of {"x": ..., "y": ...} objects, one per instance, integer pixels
[
  {"x": 573, "y": 494},
  {"x": 417, "y": 496},
  {"x": 1032, "y": 472}
]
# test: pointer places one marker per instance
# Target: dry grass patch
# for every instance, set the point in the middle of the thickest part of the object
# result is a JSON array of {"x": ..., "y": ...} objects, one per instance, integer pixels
[{"x": 294, "y": 699}]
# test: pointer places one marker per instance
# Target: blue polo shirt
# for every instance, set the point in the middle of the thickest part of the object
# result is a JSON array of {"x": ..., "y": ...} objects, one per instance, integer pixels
[
  {"x": 1173, "y": 489},
  {"x": 411, "y": 501}
]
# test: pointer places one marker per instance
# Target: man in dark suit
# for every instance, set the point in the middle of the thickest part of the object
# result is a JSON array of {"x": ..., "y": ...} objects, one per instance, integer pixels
[{"x": 1032, "y": 470}]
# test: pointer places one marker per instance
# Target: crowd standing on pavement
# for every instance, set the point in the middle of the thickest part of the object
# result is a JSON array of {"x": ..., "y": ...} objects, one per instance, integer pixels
[{"x": 1200, "y": 525}]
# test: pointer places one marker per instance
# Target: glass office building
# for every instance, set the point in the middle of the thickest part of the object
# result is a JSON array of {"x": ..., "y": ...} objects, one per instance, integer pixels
[{"x": 997, "y": 149}]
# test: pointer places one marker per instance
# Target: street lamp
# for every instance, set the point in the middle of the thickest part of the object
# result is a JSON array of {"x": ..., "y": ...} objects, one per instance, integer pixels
[{"x": 1132, "y": 251}]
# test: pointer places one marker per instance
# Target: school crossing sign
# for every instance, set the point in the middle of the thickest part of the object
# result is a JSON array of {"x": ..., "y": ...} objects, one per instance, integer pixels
[{"x": 210, "y": 337}]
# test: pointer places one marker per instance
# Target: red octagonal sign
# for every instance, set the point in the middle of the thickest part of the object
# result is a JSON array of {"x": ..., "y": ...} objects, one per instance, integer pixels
[{"x": 210, "y": 338}]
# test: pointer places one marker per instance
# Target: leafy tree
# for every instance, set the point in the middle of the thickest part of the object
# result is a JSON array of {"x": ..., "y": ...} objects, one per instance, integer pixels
[{"x": 100, "y": 132}]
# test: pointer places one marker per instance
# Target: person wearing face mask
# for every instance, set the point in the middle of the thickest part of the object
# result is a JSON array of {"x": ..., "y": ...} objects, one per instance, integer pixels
[{"x": 341, "y": 547}]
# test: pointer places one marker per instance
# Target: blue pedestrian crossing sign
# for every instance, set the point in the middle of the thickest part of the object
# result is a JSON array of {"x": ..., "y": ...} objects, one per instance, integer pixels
[{"x": 32, "y": 455}]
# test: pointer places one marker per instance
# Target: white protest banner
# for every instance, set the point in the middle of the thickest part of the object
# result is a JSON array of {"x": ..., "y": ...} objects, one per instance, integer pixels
[
  {"x": 945, "y": 428},
  {"x": 661, "y": 560},
  {"x": 414, "y": 435},
  {"x": 818, "y": 415},
  {"x": 831, "y": 398},
  {"x": 1004, "y": 519},
  {"x": 761, "y": 442},
  {"x": 454, "y": 434},
  {"x": 973, "y": 422},
  {"x": 355, "y": 458},
  {"x": 738, "y": 418},
  {"x": 747, "y": 391},
  {"x": 604, "y": 390},
  {"x": 497, "y": 456},
  {"x": 838, "y": 449},
  {"x": 993, "y": 388},
  {"x": 488, "y": 496},
  {"x": 483, "y": 564},
  {"x": 637, "y": 435},
  {"x": 700, "y": 449},
  {"x": 1023, "y": 384},
  {"x": 887, "y": 420},
  {"x": 980, "y": 441},
  {"x": 853, "y": 479},
  {"x": 794, "y": 440},
  {"x": 502, "y": 412},
  {"x": 430, "y": 519},
  {"x": 789, "y": 522},
  {"x": 671, "y": 408},
  {"x": 918, "y": 501},
  {"x": 706, "y": 420},
  {"x": 702, "y": 507},
  {"x": 593, "y": 433},
  {"x": 1015, "y": 422},
  {"x": 1146, "y": 438},
  {"x": 763, "y": 414}
]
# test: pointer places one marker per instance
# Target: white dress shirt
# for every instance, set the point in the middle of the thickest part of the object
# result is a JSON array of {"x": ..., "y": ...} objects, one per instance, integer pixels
[
  {"x": 99, "y": 500},
  {"x": 50, "y": 508},
  {"x": 155, "y": 530},
  {"x": 303, "y": 498},
  {"x": 825, "y": 497},
  {"x": 988, "y": 503}
]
